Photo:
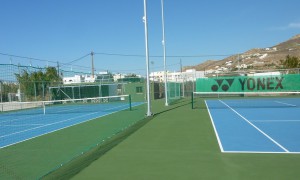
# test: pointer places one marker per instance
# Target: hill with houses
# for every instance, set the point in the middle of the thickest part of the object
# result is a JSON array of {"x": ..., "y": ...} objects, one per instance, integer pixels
[{"x": 257, "y": 58}]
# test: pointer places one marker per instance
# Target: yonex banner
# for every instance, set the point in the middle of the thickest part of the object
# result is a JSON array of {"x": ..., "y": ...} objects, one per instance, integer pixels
[{"x": 289, "y": 82}]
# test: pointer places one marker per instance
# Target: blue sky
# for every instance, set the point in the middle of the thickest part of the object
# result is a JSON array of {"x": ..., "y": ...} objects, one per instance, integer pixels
[{"x": 196, "y": 30}]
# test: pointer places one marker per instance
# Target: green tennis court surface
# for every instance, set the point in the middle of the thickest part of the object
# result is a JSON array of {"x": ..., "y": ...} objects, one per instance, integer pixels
[
  {"x": 180, "y": 144},
  {"x": 177, "y": 143},
  {"x": 33, "y": 158}
]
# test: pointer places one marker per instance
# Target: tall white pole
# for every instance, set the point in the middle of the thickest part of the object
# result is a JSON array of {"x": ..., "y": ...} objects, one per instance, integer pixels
[
  {"x": 164, "y": 49},
  {"x": 149, "y": 113}
]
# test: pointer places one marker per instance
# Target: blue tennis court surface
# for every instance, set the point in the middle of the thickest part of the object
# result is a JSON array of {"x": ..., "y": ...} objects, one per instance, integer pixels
[
  {"x": 23, "y": 125},
  {"x": 256, "y": 125}
]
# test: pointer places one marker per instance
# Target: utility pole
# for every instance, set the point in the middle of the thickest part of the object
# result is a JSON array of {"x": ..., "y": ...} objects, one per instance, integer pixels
[
  {"x": 180, "y": 65},
  {"x": 58, "y": 69},
  {"x": 149, "y": 113},
  {"x": 93, "y": 69}
]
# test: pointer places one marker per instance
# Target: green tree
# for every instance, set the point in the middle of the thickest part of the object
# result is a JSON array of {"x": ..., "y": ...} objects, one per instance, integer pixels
[
  {"x": 35, "y": 85},
  {"x": 5, "y": 89},
  {"x": 52, "y": 76},
  {"x": 290, "y": 62},
  {"x": 25, "y": 83}
]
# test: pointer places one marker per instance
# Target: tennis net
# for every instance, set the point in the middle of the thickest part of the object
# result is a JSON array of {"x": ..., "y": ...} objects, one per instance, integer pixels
[
  {"x": 290, "y": 99},
  {"x": 95, "y": 104}
]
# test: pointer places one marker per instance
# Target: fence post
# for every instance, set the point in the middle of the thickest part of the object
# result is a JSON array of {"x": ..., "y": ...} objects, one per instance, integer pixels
[
  {"x": 130, "y": 107},
  {"x": 192, "y": 96}
]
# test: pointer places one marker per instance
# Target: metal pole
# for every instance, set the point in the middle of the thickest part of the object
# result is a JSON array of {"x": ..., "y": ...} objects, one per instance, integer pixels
[
  {"x": 164, "y": 49},
  {"x": 19, "y": 83},
  {"x": 34, "y": 85},
  {"x": 1, "y": 89},
  {"x": 183, "y": 85},
  {"x": 73, "y": 92},
  {"x": 93, "y": 69},
  {"x": 58, "y": 69},
  {"x": 130, "y": 106},
  {"x": 43, "y": 90},
  {"x": 79, "y": 93},
  {"x": 182, "y": 78},
  {"x": 44, "y": 107},
  {"x": 147, "y": 59}
]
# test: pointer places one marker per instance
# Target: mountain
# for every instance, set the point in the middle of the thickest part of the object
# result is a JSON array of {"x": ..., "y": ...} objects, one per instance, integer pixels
[{"x": 257, "y": 58}]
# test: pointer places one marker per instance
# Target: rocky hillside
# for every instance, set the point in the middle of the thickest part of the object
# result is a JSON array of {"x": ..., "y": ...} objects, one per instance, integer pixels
[{"x": 258, "y": 58}]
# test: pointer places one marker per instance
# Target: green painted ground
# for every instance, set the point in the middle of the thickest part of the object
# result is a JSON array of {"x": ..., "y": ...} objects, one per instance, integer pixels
[
  {"x": 36, "y": 157},
  {"x": 181, "y": 144},
  {"x": 177, "y": 143}
]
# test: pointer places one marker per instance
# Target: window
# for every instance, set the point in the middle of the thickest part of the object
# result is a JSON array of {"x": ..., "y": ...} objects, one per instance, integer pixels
[{"x": 139, "y": 89}]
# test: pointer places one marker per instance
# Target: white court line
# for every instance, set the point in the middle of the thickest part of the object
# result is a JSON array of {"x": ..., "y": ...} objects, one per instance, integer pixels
[
  {"x": 272, "y": 121},
  {"x": 21, "y": 125},
  {"x": 216, "y": 132},
  {"x": 279, "y": 102},
  {"x": 260, "y": 152},
  {"x": 275, "y": 142}
]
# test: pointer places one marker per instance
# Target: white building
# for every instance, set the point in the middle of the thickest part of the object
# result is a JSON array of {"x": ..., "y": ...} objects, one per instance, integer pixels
[
  {"x": 82, "y": 78},
  {"x": 188, "y": 75},
  {"x": 209, "y": 71},
  {"x": 90, "y": 78},
  {"x": 242, "y": 66},
  {"x": 79, "y": 79},
  {"x": 72, "y": 80},
  {"x": 263, "y": 56},
  {"x": 192, "y": 75},
  {"x": 99, "y": 77},
  {"x": 158, "y": 76},
  {"x": 175, "y": 77},
  {"x": 228, "y": 63},
  {"x": 118, "y": 76}
]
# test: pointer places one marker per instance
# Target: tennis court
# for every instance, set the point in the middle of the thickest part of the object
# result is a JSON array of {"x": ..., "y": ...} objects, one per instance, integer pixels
[
  {"x": 263, "y": 125},
  {"x": 37, "y": 120}
]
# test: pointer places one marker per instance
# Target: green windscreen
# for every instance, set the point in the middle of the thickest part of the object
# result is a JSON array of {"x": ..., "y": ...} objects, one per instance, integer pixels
[
  {"x": 278, "y": 83},
  {"x": 174, "y": 91}
]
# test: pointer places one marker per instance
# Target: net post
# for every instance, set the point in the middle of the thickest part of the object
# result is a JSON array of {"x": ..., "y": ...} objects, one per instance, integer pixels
[
  {"x": 129, "y": 98},
  {"x": 44, "y": 107},
  {"x": 192, "y": 96}
]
